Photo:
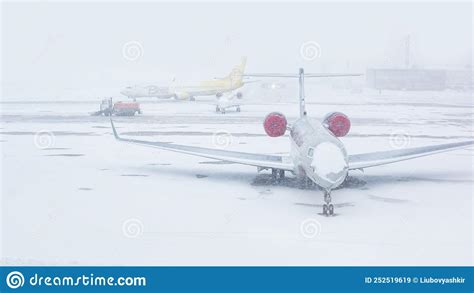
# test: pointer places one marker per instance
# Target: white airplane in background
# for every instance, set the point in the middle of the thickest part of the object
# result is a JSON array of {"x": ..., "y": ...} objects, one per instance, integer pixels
[
  {"x": 228, "y": 101},
  {"x": 316, "y": 153},
  {"x": 217, "y": 87}
]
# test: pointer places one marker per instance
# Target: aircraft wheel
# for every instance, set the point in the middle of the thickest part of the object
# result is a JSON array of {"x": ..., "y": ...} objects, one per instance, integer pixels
[
  {"x": 223, "y": 111},
  {"x": 274, "y": 176},
  {"x": 217, "y": 109},
  {"x": 331, "y": 210},
  {"x": 281, "y": 174},
  {"x": 325, "y": 209},
  {"x": 238, "y": 109}
]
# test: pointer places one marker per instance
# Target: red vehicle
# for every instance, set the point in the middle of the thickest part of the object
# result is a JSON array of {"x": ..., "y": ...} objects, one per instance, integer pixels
[
  {"x": 126, "y": 108},
  {"x": 118, "y": 108}
]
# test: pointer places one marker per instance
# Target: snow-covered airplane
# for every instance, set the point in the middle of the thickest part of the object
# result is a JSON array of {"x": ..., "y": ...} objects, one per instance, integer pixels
[
  {"x": 316, "y": 153},
  {"x": 216, "y": 86}
]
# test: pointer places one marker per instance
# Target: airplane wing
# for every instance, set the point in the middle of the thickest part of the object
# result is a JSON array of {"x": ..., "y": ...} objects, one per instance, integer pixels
[
  {"x": 361, "y": 161},
  {"x": 292, "y": 75},
  {"x": 258, "y": 160}
]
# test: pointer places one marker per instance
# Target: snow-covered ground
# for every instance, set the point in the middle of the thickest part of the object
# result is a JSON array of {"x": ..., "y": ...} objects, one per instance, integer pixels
[{"x": 71, "y": 194}]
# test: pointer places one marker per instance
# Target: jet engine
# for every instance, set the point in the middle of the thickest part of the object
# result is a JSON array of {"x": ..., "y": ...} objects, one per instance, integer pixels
[
  {"x": 338, "y": 123},
  {"x": 275, "y": 124}
]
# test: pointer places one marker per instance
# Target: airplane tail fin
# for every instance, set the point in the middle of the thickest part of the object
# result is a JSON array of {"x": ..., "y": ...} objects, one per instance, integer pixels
[
  {"x": 237, "y": 73},
  {"x": 301, "y": 75},
  {"x": 241, "y": 66}
]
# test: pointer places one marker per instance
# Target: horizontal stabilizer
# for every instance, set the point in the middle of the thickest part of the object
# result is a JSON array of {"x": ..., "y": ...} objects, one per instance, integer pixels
[{"x": 295, "y": 75}]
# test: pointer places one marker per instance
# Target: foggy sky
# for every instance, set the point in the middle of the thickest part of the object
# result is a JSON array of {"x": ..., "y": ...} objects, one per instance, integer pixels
[{"x": 53, "y": 46}]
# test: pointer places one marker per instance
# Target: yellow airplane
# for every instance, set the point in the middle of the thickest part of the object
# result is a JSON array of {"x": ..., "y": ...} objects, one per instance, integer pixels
[{"x": 217, "y": 87}]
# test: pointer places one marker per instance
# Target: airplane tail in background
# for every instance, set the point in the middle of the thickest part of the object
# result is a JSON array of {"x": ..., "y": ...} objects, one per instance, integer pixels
[
  {"x": 239, "y": 68},
  {"x": 236, "y": 75},
  {"x": 232, "y": 81}
]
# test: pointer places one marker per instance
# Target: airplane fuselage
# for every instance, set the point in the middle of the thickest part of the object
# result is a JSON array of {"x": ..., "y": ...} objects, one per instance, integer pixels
[
  {"x": 161, "y": 92},
  {"x": 216, "y": 86},
  {"x": 317, "y": 153},
  {"x": 178, "y": 92},
  {"x": 203, "y": 90}
]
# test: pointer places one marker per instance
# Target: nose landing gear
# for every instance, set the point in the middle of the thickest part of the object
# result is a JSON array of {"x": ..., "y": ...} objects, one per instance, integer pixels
[
  {"x": 277, "y": 175},
  {"x": 328, "y": 207}
]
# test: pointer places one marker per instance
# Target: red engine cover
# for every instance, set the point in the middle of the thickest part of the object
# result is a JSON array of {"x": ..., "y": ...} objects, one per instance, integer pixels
[
  {"x": 275, "y": 124},
  {"x": 338, "y": 123}
]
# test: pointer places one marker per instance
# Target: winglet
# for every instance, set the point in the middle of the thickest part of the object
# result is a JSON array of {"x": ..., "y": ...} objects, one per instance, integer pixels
[{"x": 113, "y": 128}]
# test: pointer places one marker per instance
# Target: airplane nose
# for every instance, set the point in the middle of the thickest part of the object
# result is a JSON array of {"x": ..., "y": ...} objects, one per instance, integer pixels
[{"x": 329, "y": 164}]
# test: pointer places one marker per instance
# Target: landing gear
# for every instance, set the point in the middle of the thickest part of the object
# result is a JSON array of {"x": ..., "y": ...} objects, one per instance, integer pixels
[
  {"x": 218, "y": 109},
  {"x": 238, "y": 109},
  {"x": 281, "y": 174},
  {"x": 328, "y": 207},
  {"x": 277, "y": 175},
  {"x": 192, "y": 98}
]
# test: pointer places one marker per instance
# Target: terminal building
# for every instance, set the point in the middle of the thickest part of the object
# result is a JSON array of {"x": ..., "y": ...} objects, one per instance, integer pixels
[{"x": 419, "y": 79}]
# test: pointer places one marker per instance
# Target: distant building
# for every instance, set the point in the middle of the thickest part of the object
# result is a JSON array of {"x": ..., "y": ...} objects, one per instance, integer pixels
[
  {"x": 459, "y": 79},
  {"x": 406, "y": 79}
]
